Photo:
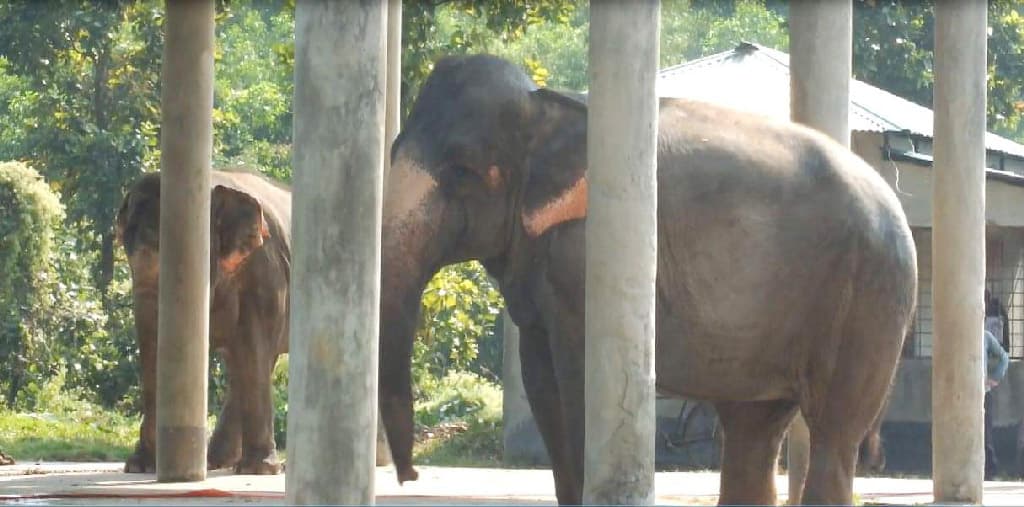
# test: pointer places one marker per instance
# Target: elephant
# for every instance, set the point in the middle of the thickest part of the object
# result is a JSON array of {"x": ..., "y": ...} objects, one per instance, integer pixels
[
  {"x": 872, "y": 449},
  {"x": 786, "y": 270},
  {"x": 250, "y": 259}
]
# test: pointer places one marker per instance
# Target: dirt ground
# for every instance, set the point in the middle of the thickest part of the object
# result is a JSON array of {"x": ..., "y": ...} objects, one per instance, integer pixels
[{"x": 93, "y": 483}]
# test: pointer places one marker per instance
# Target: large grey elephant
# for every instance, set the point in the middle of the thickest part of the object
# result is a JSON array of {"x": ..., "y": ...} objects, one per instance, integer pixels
[
  {"x": 250, "y": 261},
  {"x": 786, "y": 268}
]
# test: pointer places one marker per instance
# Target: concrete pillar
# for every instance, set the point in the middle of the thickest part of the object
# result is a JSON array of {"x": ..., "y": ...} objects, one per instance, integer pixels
[
  {"x": 392, "y": 115},
  {"x": 336, "y": 219},
  {"x": 820, "y": 66},
  {"x": 186, "y": 142},
  {"x": 622, "y": 167},
  {"x": 958, "y": 250},
  {"x": 523, "y": 444}
]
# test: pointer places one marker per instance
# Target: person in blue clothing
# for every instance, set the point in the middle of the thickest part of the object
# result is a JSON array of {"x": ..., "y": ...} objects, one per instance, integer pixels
[{"x": 994, "y": 373}]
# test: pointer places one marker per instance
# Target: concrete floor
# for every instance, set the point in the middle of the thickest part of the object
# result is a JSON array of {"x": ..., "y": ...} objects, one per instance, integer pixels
[{"x": 92, "y": 483}]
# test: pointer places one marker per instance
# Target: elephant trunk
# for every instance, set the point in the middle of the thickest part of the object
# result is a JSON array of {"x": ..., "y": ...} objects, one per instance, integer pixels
[{"x": 411, "y": 218}]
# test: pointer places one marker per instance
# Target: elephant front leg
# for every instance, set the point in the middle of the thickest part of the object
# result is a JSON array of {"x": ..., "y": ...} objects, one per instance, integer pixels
[
  {"x": 143, "y": 459},
  {"x": 225, "y": 449},
  {"x": 542, "y": 392},
  {"x": 252, "y": 383}
]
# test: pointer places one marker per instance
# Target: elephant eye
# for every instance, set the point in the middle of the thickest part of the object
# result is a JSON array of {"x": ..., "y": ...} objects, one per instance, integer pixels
[{"x": 457, "y": 177}]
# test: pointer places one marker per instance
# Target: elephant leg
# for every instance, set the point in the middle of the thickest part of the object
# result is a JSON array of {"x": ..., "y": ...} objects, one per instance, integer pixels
[
  {"x": 842, "y": 416},
  {"x": 225, "y": 449},
  {"x": 254, "y": 366},
  {"x": 753, "y": 433},
  {"x": 832, "y": 466},
  {"x": 542, "y": 392},
  {"x": 143, "y": 459}
]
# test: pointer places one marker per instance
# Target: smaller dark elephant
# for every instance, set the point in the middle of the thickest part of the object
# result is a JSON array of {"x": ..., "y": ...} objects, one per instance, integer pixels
[{"x": 250, "y": 250}]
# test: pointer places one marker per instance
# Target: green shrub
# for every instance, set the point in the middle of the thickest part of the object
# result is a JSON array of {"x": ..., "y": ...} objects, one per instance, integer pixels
[
  {"x": 460, "y": 306},
  {"x": 29, "y": 213},
  {"x": 279, "y": 387},
  {"x": 460, "y": 422},
  {"x": 459, "y": 397}
]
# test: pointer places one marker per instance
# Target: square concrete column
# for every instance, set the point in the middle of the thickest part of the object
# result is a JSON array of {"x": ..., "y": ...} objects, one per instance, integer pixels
[
  {"x": 820, "y": 66},
  {"x": 958, "y": 250},
  {"x": 522, "y": 441},
  {"x": 186, "y": 149},
  {"x": 622, "y": 135},
  {"x": 392, "y": 116},
  {"x": 336, "y": 218}
]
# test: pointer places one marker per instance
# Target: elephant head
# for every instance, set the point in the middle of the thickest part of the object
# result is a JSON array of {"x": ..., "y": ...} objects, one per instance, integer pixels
[
  {"x": 485, "y": 165},
  {"x": 238, "y": 228}
]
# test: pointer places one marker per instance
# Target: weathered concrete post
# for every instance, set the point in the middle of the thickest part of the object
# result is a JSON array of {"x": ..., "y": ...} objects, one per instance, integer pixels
[
  {"x": 392, "y": 116},
  {"x": 339, "y": 156},
  {"x": 958, "y": 251},
  {"x": 186, "y": 142},
  {"x": 622, "y": 154},
  {"x": 523, "y": 444},
  {"x": 820, "y": 65}
]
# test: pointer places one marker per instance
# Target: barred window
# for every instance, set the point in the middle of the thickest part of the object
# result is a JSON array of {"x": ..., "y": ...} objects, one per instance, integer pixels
[{"x": 1004, "y": 278}]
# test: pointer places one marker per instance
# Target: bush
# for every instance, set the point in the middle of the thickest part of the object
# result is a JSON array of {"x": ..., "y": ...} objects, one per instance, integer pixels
[
  {"x": 459, "y": 397},
  {"x": 29, "y": 213},
  {"x": 460, "y": 422}
]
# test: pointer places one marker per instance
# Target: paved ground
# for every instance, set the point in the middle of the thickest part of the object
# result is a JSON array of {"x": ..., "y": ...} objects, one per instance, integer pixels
[{"x": 92, "y": 483}]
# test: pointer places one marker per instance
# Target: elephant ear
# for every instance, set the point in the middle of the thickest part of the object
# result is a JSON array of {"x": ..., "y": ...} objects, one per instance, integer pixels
[
  {"x": 121, "y": 220},
  {"x": 138, "y": 219},
  {"x": 556, "y": 183},
  {"x": 239, "y": 225}
]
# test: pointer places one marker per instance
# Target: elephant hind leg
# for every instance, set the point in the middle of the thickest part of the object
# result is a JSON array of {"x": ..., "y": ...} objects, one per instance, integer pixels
[
  {"x": 840, "y": 419},
  {"x": 753, "y": 433}
]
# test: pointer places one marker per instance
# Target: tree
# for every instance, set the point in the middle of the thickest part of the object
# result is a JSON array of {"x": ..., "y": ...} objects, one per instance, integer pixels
[
  {"x": 93, "y": 70},
  {"x": 894, "y": 45}
]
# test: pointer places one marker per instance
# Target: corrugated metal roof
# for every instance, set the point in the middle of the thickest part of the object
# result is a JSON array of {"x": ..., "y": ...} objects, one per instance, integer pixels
[{"x": 756, "y": 78}]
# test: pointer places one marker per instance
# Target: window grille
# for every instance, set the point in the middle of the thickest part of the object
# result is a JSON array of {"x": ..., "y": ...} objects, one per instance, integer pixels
[{"x": 1004, "y": 279}]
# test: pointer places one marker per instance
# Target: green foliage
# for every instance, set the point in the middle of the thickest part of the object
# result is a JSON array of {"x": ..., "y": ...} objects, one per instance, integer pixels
[
  {"x": 431, "y": 30},
  {"x": 29, "y": 213},
  {"x": 91, "y": 108},
  {"x": 461, "y": 422},
  {"x": 252, "y": 100},
  {"x": 65, "y": 427},
  {"x": 460, "y": 306},
  {"x": 279, "y": 385},
  {"x": 894, "y": 46}
]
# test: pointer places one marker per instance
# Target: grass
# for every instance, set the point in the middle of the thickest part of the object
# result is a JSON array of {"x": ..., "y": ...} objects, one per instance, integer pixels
[
  {"x": 458, "y": 424},
  {"x": 102, "y": 436},
  {"x": 65, "y": 427}
]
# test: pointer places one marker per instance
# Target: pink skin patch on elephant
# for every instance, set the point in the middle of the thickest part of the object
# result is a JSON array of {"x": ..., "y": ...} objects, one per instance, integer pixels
[
  {"x": 570, "y": 205},
  {"x": 230, "y": 264},
  {"x": 493, "y": 178},
  {"x": 408, "y": 189}
]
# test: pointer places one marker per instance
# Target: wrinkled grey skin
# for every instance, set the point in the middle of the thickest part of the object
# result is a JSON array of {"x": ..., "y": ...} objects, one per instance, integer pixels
[
  {"x": 250, "y": 247},
  {"x": 786, "y": 269},
  {"x": 872, "y": 449}
]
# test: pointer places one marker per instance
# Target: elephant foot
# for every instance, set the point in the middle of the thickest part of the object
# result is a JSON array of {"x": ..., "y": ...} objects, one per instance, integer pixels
[
  {"x": 407, "y": 474},
  {"x": 265, "y": 466},
  {"x": 217, "y": 461},
  {"x": 140, "y": 462}
]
